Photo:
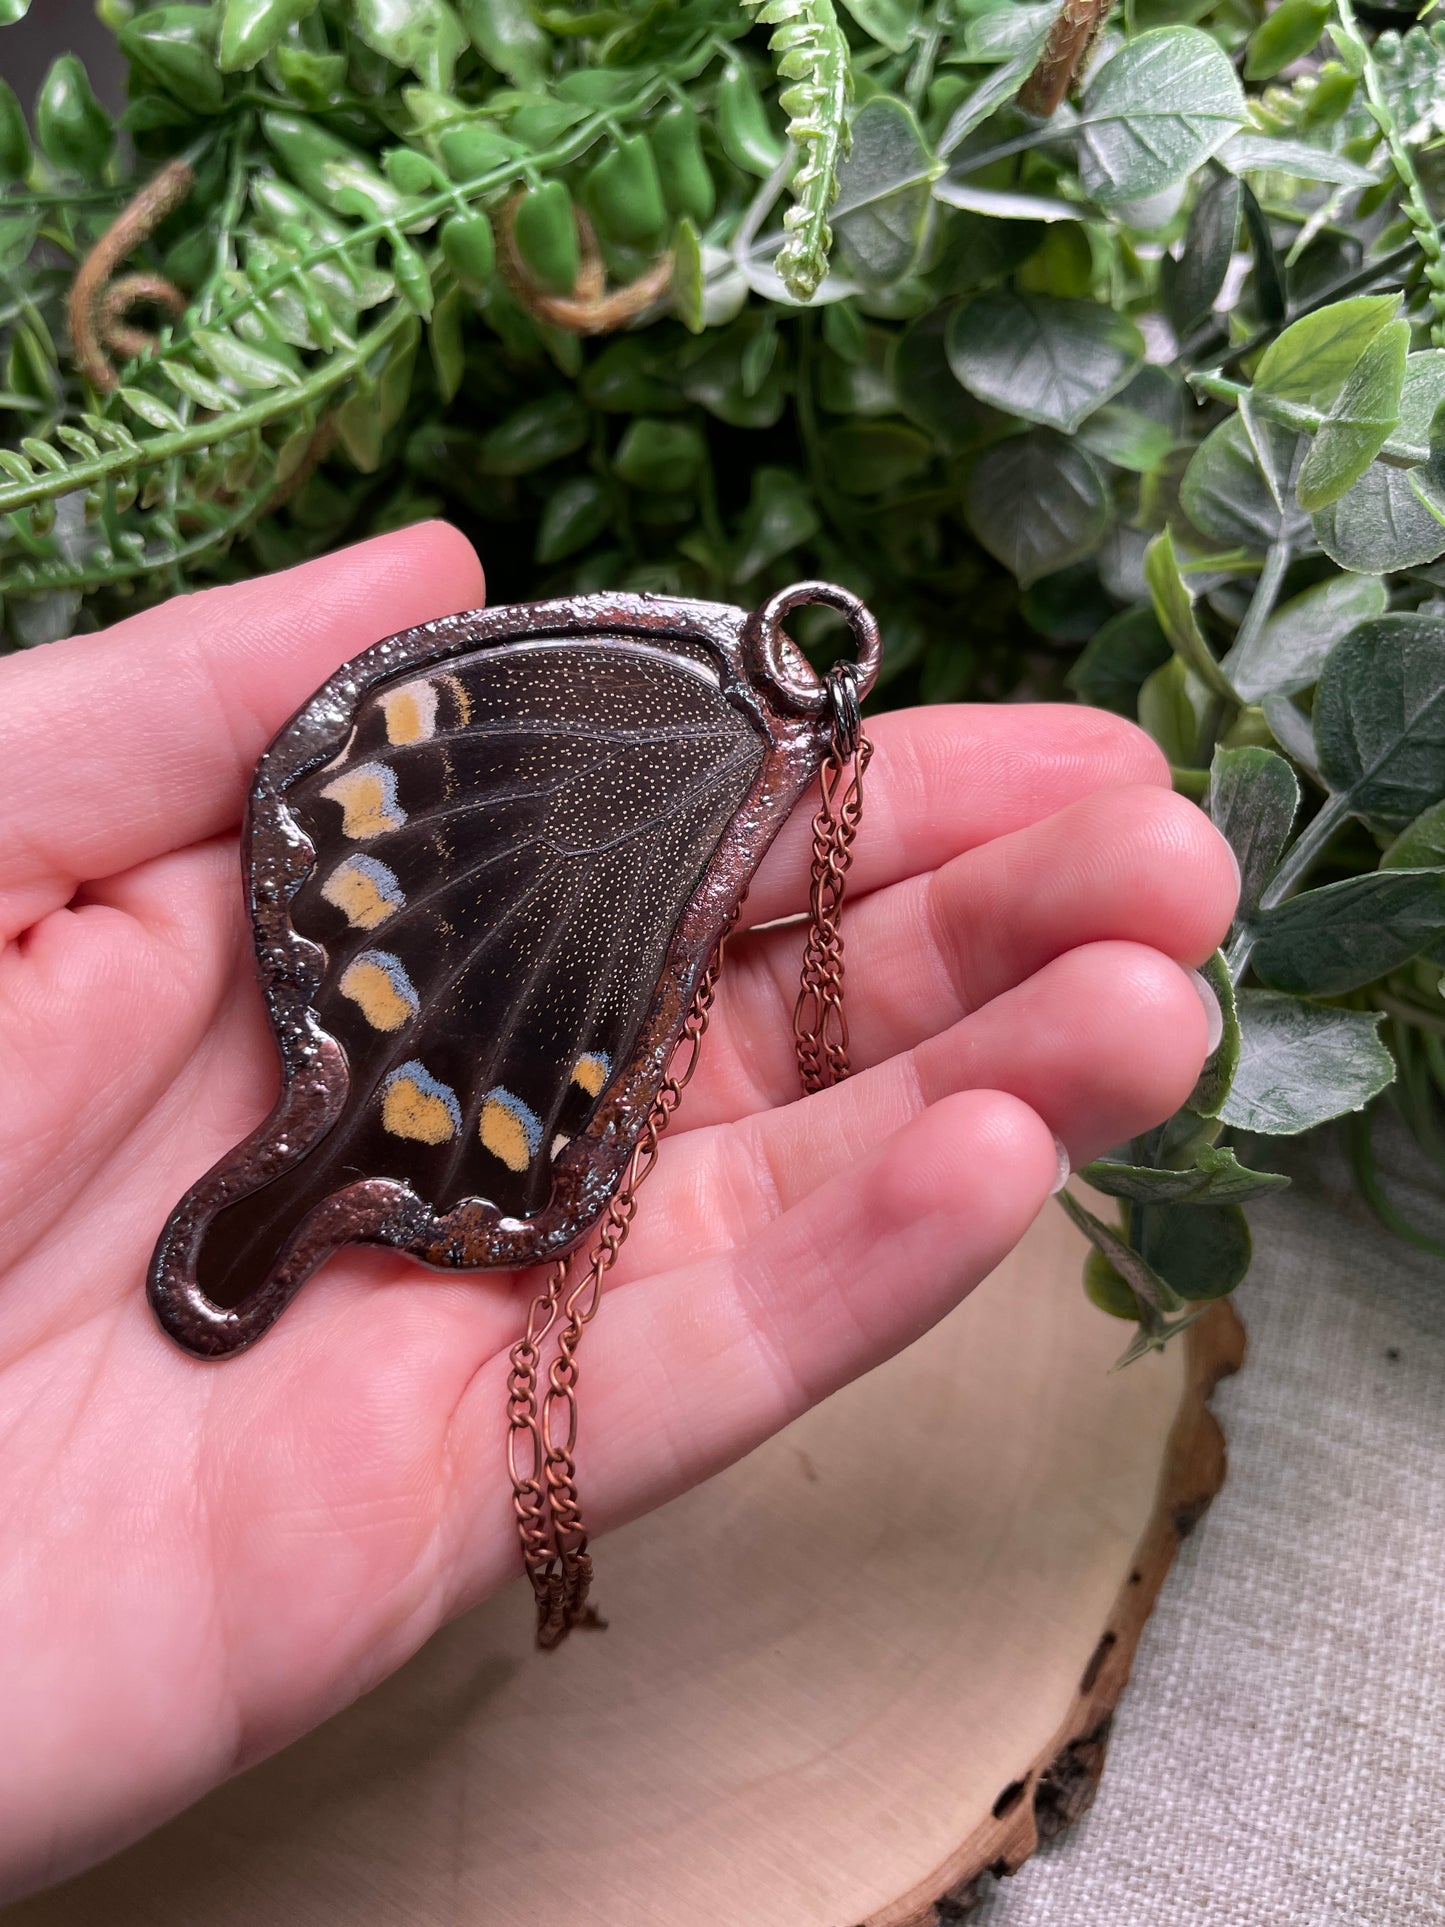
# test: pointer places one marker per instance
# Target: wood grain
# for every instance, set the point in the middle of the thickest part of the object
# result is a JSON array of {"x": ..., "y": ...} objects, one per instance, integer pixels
[{"x": 870, "y": 1664}]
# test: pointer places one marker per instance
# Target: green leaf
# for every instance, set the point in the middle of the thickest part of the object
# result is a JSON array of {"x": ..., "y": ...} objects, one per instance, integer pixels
[
  {"x": 1127, "y": 437},
  {"x": 1265, "y": 153},
  {"x": 1217, "y": 1078},
  {"x": 1192, "y": 284},
  {"x": 1135, "y": 1270},
  {"x": 249, "y": 29},
  {"x": 150, "y": 409},
  {"x": 506, "y": 36},
  {"x": 889, "y": 22},
  {"x": 1036, "y": 503},
  {"x": 884, "y": 191},
  {"x": 1289, "y": 650},
  {"x": 1052, "y": 362},
  {"x": 1421, "y": 844},
  {"x": 1380, "y": 525},
  {"x": 1284, "y": 36},
  {"x": 1345, "y": 935},
  {"x": 444, "y": 339},
  {"x": 537, "y": 433},
  {"x": 423, "y": 35},
  {"x": 576, "y": 513},
  {"x": 1360, "y": 421},
  {"x": 927, "y": 391},
  {"x": 868, "y": 458},
  {"x": 1157, "y": 111},
  {"x": 1000, "y": 86},
  {"x": 1254, "y": 797},
  {"x": 1167, "y": 713},
  {"x": 1202, "y": 1250},
  {"x": 1227, "y": 495},
  {"x": 781, "y": 515},
  {"x": 686, "y": 287},
  {"x": 1380, "y": 718},
  {"x": 1126, "y": 650},
  {"x": 1174, "y": 606},
  {"x": 1215, "y": 1177},
  {"x": 252, "y": 367},
  {"x": 1303, "y": 1063},
  {"x": 1310, "y": 361},
  {"x": 663, "y": 456}
]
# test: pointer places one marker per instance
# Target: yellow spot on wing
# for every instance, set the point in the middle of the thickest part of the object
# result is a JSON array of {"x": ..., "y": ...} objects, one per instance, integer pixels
[
  {"x": 358, "y": 897},
  {"x": 409, "y": 1111},
  {"x": 367, "y": 795},
  {"x": 504, "y": 1135},
  {"x": 383, "y": 994},
  {"x": 411, "y": 713},
  {"x": 589, "y": 1073}
]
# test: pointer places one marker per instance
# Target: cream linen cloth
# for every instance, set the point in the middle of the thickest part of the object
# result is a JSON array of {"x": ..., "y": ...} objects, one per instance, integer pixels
[{"x": 1279, "y": 1757}]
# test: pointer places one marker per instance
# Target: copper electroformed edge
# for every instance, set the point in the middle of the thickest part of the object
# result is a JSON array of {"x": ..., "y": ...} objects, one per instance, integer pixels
[{"x": 763, "y": 673}]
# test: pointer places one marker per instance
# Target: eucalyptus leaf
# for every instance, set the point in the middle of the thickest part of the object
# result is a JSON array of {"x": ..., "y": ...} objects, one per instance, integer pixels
[
  {"x": 1118, "y": 659},
  {"x": 1380, "y": 718},
  {"x": 1202, "y": 1250},
  {"x": 1215, "y": 1177},
  {"x": 1421, "y": 844},
  {"x": 1225, "y": 492},
  {"x": 1359, "y": 422},
  {"x": 1288, "y": 651},
  {"x": 1052, "y": 362},
  {"x": 1174, "y": 607},
  {"x": 1267, "y": 153},
  {"x": 1345, "y": 935},
  {"x": 1214, "y": 1082},
  {"x": 1311, "y": 360},
  {"x": 1193, "y": 282},
  {"x": 1158, "y": 110},
  {"x": 1037, "y": 503},
  {"x": 1254, "y": 797},
  {"x": 885, "y": 189},
  {"x": 1302, "y": 1064},
  {"x": 1380, "y": 524}
]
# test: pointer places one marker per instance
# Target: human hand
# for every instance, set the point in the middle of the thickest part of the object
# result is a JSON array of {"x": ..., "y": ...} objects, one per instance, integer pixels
[{"x": 201, "y": 1561}]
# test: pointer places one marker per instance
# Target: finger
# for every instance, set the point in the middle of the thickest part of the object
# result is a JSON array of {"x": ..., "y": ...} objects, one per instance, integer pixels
[
  {"x": 1140, "y": 865},
  {"x": 1102, "y": 1043},
  {"x": 114, "y": 748},
  {"x": 951, "y": 777},
  {"x": 101, "y": 1003},
  {"x": 689, "y": 1369}
]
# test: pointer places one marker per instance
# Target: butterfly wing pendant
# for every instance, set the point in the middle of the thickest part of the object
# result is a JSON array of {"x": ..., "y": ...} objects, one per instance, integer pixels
[{"x": 487, "y": 867}]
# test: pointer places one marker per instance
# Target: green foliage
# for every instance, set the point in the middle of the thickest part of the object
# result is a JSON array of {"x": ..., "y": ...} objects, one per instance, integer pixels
[{"x": 1137, "y": 400}]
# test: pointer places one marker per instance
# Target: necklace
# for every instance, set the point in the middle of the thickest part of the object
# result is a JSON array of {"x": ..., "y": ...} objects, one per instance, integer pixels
[{"x": 491, "y": 867}]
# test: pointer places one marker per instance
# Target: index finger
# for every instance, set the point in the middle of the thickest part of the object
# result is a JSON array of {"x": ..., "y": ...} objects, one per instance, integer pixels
[{"x": 118, "y": 747}]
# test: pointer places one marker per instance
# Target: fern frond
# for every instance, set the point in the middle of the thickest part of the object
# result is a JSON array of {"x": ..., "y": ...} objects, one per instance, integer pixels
[{"x": 812, "y": 55}]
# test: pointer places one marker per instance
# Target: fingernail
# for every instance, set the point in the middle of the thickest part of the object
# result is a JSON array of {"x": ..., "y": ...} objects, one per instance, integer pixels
[
  {"x": 1064, "y": 1168},
  {"x": 1213, "y": 1015}
]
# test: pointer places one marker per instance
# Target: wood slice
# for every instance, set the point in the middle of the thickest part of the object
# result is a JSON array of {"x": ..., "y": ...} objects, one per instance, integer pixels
[{"x": 841, "y": 1682}]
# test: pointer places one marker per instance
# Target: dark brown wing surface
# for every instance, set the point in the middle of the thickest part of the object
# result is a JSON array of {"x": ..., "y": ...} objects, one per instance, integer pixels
[{"x": 476, "y": 918}]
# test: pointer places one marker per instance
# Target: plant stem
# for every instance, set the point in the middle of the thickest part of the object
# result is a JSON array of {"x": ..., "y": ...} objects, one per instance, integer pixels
[
  {"x": 1298, "y": 415},
  {"x": 1261, "y": 605},
  {"x": 1307, "y": 848}
]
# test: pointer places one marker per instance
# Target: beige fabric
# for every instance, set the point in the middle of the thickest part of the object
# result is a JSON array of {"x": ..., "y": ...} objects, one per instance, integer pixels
[{"x": 1279, "y": 1759}]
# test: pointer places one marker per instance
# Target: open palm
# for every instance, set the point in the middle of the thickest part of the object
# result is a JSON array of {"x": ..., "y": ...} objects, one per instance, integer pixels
[{"x": 200, "y": 1561}]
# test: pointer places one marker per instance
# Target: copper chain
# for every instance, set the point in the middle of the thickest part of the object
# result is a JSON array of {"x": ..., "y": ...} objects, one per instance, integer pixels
[{"x": 544, "y": 1473}]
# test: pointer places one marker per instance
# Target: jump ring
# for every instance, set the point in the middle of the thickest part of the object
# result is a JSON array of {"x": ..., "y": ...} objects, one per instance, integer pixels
[{"x": 774, "y": 656}]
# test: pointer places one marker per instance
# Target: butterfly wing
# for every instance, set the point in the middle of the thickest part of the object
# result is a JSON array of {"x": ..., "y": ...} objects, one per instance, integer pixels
[{"x": 480, "y": 920}]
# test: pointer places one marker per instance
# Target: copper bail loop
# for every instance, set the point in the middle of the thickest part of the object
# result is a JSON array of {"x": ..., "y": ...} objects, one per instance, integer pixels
[{"x": 773, "y": 654}]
